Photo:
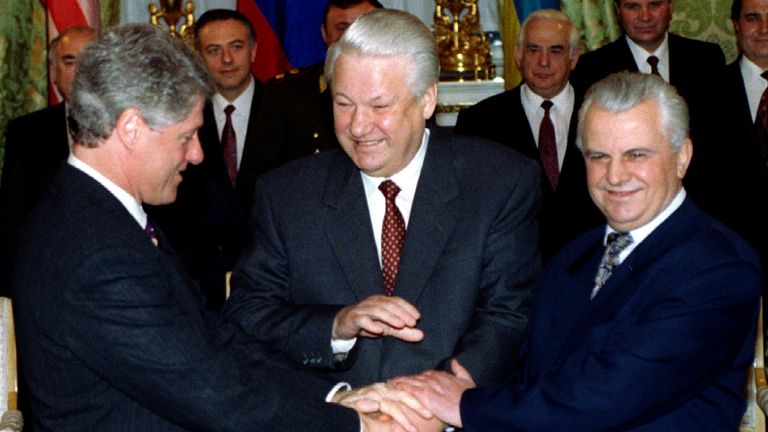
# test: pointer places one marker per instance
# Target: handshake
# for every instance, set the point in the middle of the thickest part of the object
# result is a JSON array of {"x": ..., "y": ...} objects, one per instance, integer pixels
[{"x": 418, "y": 403}]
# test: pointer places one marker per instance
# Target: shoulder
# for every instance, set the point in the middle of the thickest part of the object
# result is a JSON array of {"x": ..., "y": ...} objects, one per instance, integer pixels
[
  {"x": 38, "y": 118},
  {"x": 486, "y": 161},
  {"x": 604, "y": 51},
  {"x": 698, "y": 49},
  {"x": 308, "y": 75}
]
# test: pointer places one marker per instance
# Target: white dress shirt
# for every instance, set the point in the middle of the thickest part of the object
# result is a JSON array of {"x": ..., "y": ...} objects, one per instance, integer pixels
[
  {"x": 560, "y": 113},
  {"x": 754, "y": 84},
  {"x": 240, "y": 115},
  {"x": 641, "y": 57},
  {"x": 126, "y": 199},
  {"x": 640, "y": 234},
  {"x": 406, "y": 179}
]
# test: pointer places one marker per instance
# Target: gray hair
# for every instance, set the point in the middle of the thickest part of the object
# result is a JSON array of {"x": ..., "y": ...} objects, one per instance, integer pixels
[
  {"x": 551, "y": 15},
  {"x": 134, "y": 66},
  {"x": 625, "y": 90},
  {"x": 76, "y": 29},
  {"x": 390, "y": 33}
]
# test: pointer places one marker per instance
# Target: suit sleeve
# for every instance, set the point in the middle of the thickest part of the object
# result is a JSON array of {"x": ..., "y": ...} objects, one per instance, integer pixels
[
  {"x": 261, "y": 300},
  {"x": 622, "y": 376},
  {"x": 131, "y": 326},
  {"x": 509, "y": 273}
]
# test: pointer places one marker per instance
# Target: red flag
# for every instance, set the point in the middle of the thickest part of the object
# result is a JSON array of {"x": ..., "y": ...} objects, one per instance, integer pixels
[
  {"x": 62, "y": 14},
  {"x": 270, "y": 57}
]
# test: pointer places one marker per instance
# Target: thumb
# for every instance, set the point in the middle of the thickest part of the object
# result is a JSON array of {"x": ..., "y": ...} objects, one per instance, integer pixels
[
  {"x": 461, "y": 372},
  {"x": 367, "y": 406}
]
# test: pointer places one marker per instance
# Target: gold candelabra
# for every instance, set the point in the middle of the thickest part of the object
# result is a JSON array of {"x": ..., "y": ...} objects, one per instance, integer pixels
[
  {"x": 463, "y": 47},
  {"x": 170, "y": 11}
]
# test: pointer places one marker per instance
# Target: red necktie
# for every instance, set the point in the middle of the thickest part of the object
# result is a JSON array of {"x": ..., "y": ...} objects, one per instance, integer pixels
[
  {"x": 392, "y": 235},
  {"x": 229, "y": 145},
  {"x": 654, "y": 62},
  {"x": 548, "y": 146},
  {"x": 761, "y": 123}
]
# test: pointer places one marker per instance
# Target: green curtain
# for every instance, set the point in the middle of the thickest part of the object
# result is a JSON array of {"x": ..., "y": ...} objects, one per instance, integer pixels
[
  {"x": 23, "y": 58},
  {"x": 707, "y": 20}
]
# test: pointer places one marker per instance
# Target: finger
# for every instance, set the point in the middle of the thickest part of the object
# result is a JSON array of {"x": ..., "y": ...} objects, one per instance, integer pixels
[
  {"x": 396, "y": 412},
  {"x": 407, "y": 334},
  {"x": 460, "y": 371},
  {"x": 367, "y": 406}
]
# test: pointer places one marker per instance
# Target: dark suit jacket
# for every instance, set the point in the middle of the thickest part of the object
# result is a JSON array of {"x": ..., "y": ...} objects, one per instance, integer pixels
[
  {"x": 208, "y": 224},
  {"x": 468, "y": 263},
  {"x": 113, "y": 337},
  {"x": 35, "y": 145},
  {"x": 565, "y": 212},
  {"x": 664, "y": 346},
  {"x": 689, "y": 61},
  {"x": 726, "y": 177}
]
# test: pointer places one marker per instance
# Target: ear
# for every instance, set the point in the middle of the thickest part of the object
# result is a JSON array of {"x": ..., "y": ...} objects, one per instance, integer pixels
[
  {"x": 324, "y": 33},
  {"x": 130, "y": 127},
  {"x": 684, "y": 158},
  {"x": 429, "y": 101},
  {"x": 253, "y": 51},
  {"x": 518, "y": 55},
  {"x": 574, "y": 58}
]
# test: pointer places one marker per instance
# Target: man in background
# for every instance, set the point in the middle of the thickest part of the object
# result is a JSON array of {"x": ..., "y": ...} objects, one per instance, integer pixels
[
  {"x": 625, "y": 313},
  {"x": 648, "y": 47},
  {"x": 538, "y": 118},
  {"x": 35, "y": 145},
  {"x": 209, "y": 223}
]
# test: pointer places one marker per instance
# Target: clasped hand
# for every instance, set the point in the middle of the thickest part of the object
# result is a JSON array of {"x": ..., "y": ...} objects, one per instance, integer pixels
[{"x": 378, "y": 316}]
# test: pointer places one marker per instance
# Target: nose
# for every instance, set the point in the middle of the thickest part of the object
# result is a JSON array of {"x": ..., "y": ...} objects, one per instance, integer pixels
[
  {"x": 360, "y": 123},
  {"x": 616, "y": 172},
  {"x": 645, "y": 13},
  {"x": 226, "y": 56},
  {"x": 544, "y": 58},
  {"x": 195, "y": 151}
]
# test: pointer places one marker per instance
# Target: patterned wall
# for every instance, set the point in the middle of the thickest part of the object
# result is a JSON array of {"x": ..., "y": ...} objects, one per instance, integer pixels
[{"x": 700, "y": 19}]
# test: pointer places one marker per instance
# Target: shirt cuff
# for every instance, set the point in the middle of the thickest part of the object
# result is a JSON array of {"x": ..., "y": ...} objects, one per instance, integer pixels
[
  {"x": 342, "y": 346},
  {"x": 338, "y": 387}
]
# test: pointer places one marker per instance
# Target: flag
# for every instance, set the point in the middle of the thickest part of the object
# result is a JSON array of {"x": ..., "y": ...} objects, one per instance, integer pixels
[
  {"x": 62, "y": 14},
  {"x": 287, "y": 33},
  {"x": 513, "y": 13}
]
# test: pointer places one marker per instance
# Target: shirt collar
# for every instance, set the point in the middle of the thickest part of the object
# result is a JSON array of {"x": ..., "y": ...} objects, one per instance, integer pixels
[
  {"x": 407, "y": 178},
  {"x": 126, "y": 199},
  {"x": 751, "y": 71},
  {"x": 560, "y": 100},
  {"x": 639, "y": 234},
  {"x": 242, "y": 103}
]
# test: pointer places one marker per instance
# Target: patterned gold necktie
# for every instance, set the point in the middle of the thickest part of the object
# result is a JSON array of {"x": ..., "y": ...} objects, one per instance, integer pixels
[{"x": 617, "y": 241}]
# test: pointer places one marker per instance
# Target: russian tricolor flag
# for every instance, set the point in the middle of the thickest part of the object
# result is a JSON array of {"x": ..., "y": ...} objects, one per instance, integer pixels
[{"x": 288, "y": 34}]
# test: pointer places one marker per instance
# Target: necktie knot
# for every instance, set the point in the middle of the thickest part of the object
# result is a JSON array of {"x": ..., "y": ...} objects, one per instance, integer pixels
[
  {"x": 389, "y": 189},
  {"x": 547, "y": 104},
  {"x": 654, "y": 62},
  {"x": 228, "y": 110}
]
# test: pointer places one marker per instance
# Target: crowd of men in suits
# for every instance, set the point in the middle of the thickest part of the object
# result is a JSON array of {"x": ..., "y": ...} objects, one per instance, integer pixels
[{"x": 379, "y": 262}]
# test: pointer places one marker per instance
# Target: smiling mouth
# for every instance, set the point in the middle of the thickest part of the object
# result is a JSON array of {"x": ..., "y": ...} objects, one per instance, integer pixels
[{"x": 368, "y": 143}]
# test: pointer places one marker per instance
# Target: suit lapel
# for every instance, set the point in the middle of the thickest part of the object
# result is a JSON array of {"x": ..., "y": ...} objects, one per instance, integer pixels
[
  {"x": 432, "y": 219},
  {"x": 527, "y": 141},
  {"x": 348, "y": 228}
]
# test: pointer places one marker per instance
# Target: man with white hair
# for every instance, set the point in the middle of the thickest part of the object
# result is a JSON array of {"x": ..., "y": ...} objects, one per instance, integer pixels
[{"x": 403, "y": 249}]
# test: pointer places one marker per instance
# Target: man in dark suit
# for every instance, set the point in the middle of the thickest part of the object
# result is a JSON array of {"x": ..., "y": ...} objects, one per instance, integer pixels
[
  {"x": 209, "y": 223},
  {"x": 296, "y": 116},
  {"x": 654, "y": 331},
  {"x": 729, "y": 172},
  {"x": 35, "y": 145},
  {"x": 329, "y": 245},
  {"x": 111, "y": 333},
  {"x": 682, "y": 62},
  {"x": 546, "y": 52}
]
